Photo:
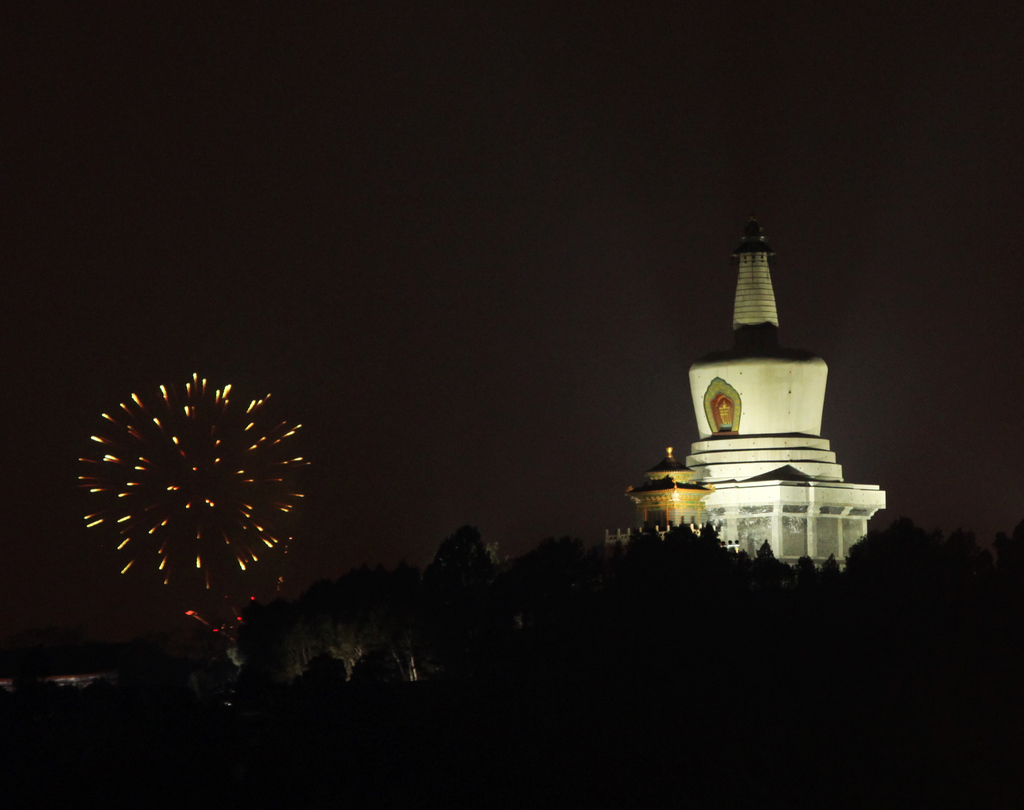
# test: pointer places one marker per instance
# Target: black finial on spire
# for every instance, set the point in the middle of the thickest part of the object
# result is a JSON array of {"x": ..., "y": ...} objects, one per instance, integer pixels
[{"x": 753, "y": 240}]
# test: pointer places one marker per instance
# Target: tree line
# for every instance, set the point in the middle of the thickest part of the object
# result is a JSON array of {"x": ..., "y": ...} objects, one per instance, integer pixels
[
  {"x": 667, "y": 671},
  {"x": 564, "y": 610}
]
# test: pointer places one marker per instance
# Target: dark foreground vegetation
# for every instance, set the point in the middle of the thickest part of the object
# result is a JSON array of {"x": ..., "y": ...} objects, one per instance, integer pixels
[{"x": 671, "y": 672}]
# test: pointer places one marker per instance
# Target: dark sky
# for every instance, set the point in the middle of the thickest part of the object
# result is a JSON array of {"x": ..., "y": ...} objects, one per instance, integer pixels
[{"x": 474, "y": 248}]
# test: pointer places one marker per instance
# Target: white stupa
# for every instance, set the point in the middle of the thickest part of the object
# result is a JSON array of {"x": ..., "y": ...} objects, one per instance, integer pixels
[{"x": 758, "y": 409}]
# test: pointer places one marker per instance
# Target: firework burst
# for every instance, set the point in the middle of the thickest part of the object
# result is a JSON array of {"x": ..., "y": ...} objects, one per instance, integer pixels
[{"x": 190, "y": 482}]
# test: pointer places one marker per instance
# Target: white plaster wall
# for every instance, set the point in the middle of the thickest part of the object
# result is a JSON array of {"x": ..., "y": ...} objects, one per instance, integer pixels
[
  {"x": 782, "y": 455},
  {"x": 713, "y": 473},
  {"x": 776, "y": 395},
  {"x": 812, "y": 494},
  {"x": 752, "y": 512},
  {"x": 739, "y": 458},
  {"x": 759, "y": 443}
]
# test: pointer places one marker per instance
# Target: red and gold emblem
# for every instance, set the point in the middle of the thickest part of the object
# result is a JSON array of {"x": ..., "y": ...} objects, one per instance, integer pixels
[{"x": 722, "y": 407}]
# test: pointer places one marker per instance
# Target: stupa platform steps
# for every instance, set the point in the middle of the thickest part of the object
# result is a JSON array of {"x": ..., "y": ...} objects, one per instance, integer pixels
[{"x": 745, "y": 457}]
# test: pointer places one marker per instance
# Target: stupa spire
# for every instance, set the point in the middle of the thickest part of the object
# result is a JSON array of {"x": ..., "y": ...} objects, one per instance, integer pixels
[{"x": 755, "y": 298}]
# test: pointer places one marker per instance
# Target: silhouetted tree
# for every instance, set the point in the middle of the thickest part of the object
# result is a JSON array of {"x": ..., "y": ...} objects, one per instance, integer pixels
[
  {"x": 769, "y": 573},
  {"x": 908, "y": 565},
  {"x": 543, "y": 582},
  {"x": 462, "y": 564},
  {"x": 1010, "y": 557},
  {"x": 273, "y": 641},
  {"x": 806, "y": 573},
  {"x": 458, "y": 598},
  {"x": 323, "y": 675},
  {"x": 830, "y": 571}
]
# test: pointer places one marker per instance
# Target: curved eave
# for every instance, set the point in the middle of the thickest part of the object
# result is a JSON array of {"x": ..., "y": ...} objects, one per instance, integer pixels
[{"x": 661, "y": 486}]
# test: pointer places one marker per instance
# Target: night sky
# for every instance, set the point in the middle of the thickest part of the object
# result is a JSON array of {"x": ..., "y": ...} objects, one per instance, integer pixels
[{"x": 474, "y": 248}]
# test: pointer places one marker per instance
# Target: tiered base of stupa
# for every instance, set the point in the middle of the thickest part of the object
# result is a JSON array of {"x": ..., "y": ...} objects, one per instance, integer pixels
[
  {"x": 786, "y": 489},
  {"x": 809, "y": 518}
]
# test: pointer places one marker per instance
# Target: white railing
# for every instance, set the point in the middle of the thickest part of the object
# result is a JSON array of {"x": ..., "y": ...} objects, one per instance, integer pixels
[{"x": 625, "y": 535}]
